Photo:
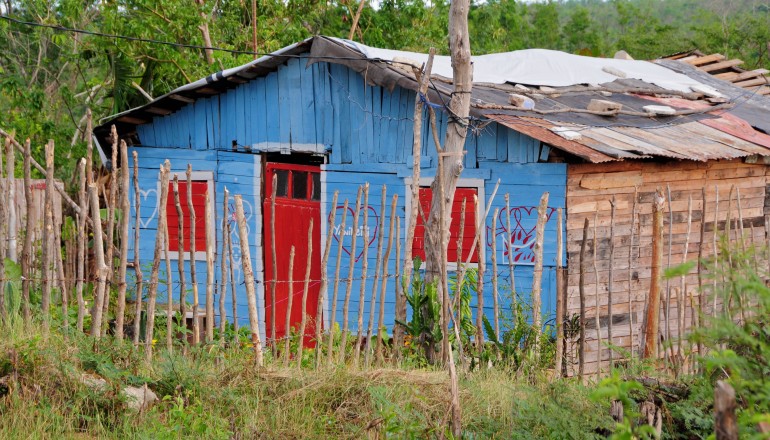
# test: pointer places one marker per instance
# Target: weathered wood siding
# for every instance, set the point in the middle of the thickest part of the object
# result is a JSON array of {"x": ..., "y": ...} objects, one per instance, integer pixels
[
  {"x": 366, "y": 132},
  {"x": 590, "y": 189}
]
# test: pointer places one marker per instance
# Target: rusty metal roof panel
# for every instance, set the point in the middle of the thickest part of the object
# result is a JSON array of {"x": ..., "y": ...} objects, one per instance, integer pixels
[{"x": 540, "y": 130}]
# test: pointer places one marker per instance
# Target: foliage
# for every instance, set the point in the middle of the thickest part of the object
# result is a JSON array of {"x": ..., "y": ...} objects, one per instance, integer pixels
[
  {"x": 614, "y": 388},
  {"x": 737, "y": 337},
  {"x": 423, "y": 329}
]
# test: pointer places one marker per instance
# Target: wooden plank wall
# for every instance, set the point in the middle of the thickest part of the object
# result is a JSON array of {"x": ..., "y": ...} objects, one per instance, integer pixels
[{"x": 589, "y": 190}]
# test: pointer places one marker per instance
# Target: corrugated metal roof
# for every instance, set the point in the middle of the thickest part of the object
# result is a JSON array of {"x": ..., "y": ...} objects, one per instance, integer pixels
[{"x": 696, "y": 132}]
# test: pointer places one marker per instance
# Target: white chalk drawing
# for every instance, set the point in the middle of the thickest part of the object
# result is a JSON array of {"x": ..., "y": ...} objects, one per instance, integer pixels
[{"x": 144, "y": 194}]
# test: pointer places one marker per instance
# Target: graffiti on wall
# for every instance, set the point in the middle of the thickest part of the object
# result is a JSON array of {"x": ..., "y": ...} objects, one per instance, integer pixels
[
  {"x": 519, "y": 242},
  {"x": 370, "y": 229}
]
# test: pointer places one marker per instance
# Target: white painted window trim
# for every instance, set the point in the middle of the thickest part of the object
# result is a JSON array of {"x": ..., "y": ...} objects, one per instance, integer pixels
[
  {"x": 208, "y": 177},
  {"x": 478, "y": 184}
]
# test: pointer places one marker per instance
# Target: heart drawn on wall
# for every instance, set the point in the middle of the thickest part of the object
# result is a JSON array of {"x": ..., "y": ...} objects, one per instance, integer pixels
[
  {"x": 144, "y": 194},
  {"x": 373, "y": 221},
  {"x": 523, "y": 229}
]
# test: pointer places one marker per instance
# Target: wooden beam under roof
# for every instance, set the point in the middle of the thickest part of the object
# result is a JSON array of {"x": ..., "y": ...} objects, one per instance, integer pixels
[
  {"x": 721, "y": 65},
  {"x": 158, "y": 111},
  {"x": 706, "y": 59},
  {"x": 182, "y": 98},
  {"x": 754, "y": 82},
  {"x": 132, "y": 120}
]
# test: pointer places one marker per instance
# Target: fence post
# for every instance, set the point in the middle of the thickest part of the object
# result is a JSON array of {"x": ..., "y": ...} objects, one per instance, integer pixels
[
  {"x": 137, "y": 263},
  {"x": 248, "y": 277},
  {"x": 653, "y": 305},
  {"x": 725, "y": 426},
  {"x": 125, "y": 207}
]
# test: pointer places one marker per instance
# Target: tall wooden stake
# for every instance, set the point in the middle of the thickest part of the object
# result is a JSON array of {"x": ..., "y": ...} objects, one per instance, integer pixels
[
  {"x": 667, "y": 308},
  {"x": 681, "y": 298},
  {"x": 714, "y": 248},
  {"x": 169, "y": 288},
  {"x": 383, "y": 289},
  {"x": 81, "y": 245},
  {"x": 324, "y": 293},
  {"x": 233, "y": 291},
  {"x": 152, "y": 294},
  {"x": 210, "y": 278},
  {"x": 349, "y": 284},
  {"x": 399, "y": 289},
  {"x": 364, "y": 267},
  {"x": 102, "y": 271},
  {"x": 333, "y": 305},
  {"x": 47, "y": 262},
  {"x": 306, "y": 287},
  {"x": 509, "y": 246},
  {"x": 479, "y": 280},
  {"x": 26, "y": 253},
  {"x": 653, "y": 304},
  {"x": 375, "y": 284},
  {"x": 287, "y": 322},
  {"x": 137, "y": 263},
  {"x": 697, "y": 316},
  {"x": 561, "y": 294},
  {"x": 223, "y": 265},
  {"x": 582, "y": 291},
  {"x": 423, "y": 79},
  {"x": 537, "y": 277},
  {"x": 111, "y": 201},
  {"x": 275, "y": 265},
  {"x": 495, "y": 305},
  {"x": 193, "y": 271},
  {"x": 248, "y": 276},
  {"x": 609, "y": 281},
  {"x": 10, "y": 164},
  {"x": 180, "y": 246},
  {"x": 125, "y": 208}
]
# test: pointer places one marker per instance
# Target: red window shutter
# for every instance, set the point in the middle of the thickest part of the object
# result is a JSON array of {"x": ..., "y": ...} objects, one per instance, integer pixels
[
  {"x": 469, "y": 231},
  {"x": 199, "y": 189}
]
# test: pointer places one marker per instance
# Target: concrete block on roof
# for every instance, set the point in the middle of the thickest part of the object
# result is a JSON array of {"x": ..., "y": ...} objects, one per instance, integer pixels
[{"x": 602, "y": 105}]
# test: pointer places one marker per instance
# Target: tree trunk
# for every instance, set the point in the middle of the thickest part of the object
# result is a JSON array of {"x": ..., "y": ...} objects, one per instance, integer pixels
[
  {"x": 653, "y": 305},
  {"x": 125, "y": 207},
  {"x": 454, "y": 144}
]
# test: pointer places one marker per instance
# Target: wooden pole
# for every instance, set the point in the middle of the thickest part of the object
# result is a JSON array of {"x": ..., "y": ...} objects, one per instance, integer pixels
[
  {"x": 537, "y": 277},
  {"x": 479, "y": 280},
  {"x": 375, "y": 284},
  {"x": 667, "y": 308},
  {"x": 561, "y": 294},
  {"x": 111, "y": 201},
  {"x": 10, "y": 164},
  {"x": 61, "y": 280},
  {"x": 364, "y": 267},
  {"x": 609, "y": 281},
  {"x": 495, "y": 305},
  {"x": 89, "y": 147},
  {"x": 681, "y": 298},
  {"x": 323, "y": 294},
  {"x": 223, "y": 265},
  {"x": 383, "y": 289},
  {"x": 597, "y": 304},
  {"x": 180, "y": 246},
  {"x": 509, "y": 246},
  {"x": 653, "y": 304},
  {"x": 248, "y": 276},
  {"x": 725, "y": 406},
  {"x": 582, "y": 291},
  {"x": 210, "y": 277},
  {"x": 81, "y": 245},
  {"x": 26, "y": 258},
  {"x": 193, "y": 271},
  {"x": 233, "y": 291},
  {"x": 399, "y": 292},
  {"x": 333, "y": 305},
  {"x": 169, "y": 288},
  {"x": 137, "y": 263},
  {"x": 254, "y": 22},
  {"x": 461, "y": 270},
  {"x": 125, "y": 207},
  {"x": 349, "y": 286},
  {"x": 715, "y": 250},
  {"x": 274, "y": 257},
  {"x": 306, "y": 287},
  {"x": 697, "y": 316},
  {"x": 740, "y": 218},
  {"x": 5, "y": 234},
  {"x": 152, "y": 293},
  {"x": 47, "y": 262},
  {"x": 287, "y": 322},
  {"x": 423, "y": 80},
  {"x": 102, "y": 271}
]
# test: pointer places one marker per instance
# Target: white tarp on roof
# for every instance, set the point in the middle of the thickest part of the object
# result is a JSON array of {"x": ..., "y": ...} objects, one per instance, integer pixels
[{"x": 542, "y": 67}]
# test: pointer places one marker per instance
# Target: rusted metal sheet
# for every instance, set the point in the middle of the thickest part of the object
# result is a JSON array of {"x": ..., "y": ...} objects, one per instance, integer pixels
[
  {"x": 539, "y": 129},
  {"x": 617, "y": 138}
]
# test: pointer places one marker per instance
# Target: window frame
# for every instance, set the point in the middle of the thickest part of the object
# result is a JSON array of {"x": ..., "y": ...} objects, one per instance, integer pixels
[
  {"x": 477, "y": 184},
  {"x": 195, "y": 176}
]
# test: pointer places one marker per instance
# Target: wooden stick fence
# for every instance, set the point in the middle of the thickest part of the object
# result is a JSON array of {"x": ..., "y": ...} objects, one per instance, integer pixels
[{"x": 63, "y": 268}]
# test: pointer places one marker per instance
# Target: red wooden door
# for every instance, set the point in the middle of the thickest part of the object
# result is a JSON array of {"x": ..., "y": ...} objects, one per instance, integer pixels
[{"x": 298, "y": 199}]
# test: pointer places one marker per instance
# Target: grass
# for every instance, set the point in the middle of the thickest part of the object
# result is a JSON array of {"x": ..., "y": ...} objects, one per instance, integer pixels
[{"x": 218, "y": 393}]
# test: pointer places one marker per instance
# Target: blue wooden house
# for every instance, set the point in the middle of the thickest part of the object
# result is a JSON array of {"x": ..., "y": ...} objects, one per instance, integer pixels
[{"x": 328, "y": 115}]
